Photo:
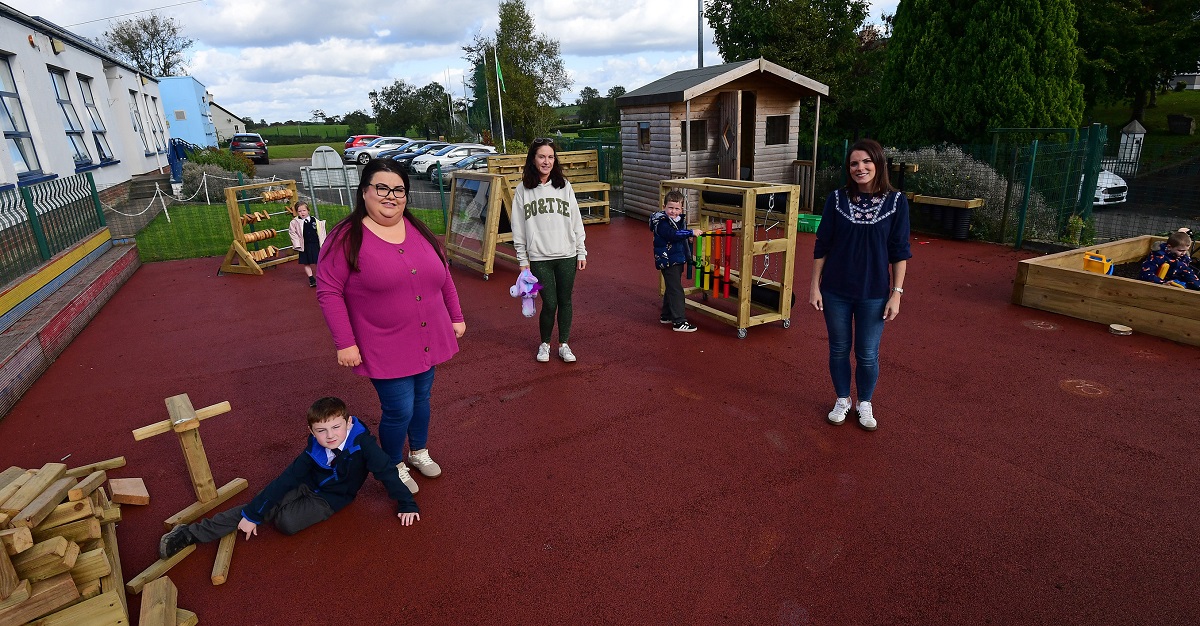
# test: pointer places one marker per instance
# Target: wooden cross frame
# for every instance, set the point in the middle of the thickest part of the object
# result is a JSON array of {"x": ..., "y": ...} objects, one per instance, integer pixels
[{"x": 185, "y": 422}]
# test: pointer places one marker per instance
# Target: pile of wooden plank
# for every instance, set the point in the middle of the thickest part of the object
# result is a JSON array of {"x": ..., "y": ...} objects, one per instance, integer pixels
[{"x": 60, "y": 563}]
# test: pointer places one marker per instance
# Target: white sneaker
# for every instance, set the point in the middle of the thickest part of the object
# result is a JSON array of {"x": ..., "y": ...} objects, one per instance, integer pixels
[
  {"x": 866, "y": 416},
  {"x": 420, "y": 461},
  {"x": 840, "y": 408},
  {"x": 543, "y": 355},
  {"x": 564, "y": 353},
  {"x": 406, "y": 478}
]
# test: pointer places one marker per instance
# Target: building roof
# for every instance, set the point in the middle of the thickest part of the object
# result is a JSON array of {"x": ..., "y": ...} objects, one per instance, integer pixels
[
  {"x": 687, "y": 84},
  {"x": 50, "y": 29},
  {"x": 239, "y": 118}
]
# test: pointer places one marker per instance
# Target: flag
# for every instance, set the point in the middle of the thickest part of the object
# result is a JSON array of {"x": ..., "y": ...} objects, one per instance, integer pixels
[{"x": 499, "y": 73}]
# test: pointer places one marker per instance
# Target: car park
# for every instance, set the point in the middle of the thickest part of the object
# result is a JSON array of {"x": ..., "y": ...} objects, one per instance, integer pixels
[
  {"x": 426, "y": 164},
  {"x": 357, "y": 141},
  {"x": 252, "y": 145},
  {"x": 408, "y": 147},
  {"x": 363, "y": 155},
  {"x": 471, "y": 163},
  {"x": 406, "y": 158}
]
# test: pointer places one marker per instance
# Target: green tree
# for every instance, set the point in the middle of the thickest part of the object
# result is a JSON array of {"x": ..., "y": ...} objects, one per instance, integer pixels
[
  {"x": 591, "y": 106},
  {"x": 432, "y": 109},
  {"x": 357, "y": 120},
  {"x": 531, "y": 67},
  {"x": 612, "y": 114},
  {"x": 1130, "y": 48},
  {"x": 153, "y": 43},
  {"x": 396, "y": 108},
  {"x": 955, "y": 69},
  {"x": 816, "y": 38}
]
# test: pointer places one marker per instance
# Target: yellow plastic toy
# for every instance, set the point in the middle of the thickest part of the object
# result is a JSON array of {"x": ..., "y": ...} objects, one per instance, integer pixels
[{"x": 1096, "y": 262}]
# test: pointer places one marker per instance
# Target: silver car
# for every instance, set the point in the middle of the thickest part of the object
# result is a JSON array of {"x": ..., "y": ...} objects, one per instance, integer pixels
[
  {"x": 426, "y": 164},
  {"x": 364, "y": 154}
]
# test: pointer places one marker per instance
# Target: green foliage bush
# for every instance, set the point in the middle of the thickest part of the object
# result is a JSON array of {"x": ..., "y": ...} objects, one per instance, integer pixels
[
  {"x": 224, "y": 159},
  {"x": 516, "y": 146},
  {"x": 218, "y": 179}
]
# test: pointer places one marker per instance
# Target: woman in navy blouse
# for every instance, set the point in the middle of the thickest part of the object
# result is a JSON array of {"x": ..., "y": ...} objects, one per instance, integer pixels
[{"x": 859, "y": 263}]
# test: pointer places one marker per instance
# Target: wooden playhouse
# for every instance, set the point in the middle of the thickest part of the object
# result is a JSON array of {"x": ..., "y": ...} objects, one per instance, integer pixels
[{"x": 737, "y": 121}]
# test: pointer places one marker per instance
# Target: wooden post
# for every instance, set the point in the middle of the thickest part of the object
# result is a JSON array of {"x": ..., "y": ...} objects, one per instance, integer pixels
[
  {"x": 185, "y": 424},
  {"x": 159, "y": 603},
  {"x": 156, "y": 570},
  {"x": 220, "y": 571}
]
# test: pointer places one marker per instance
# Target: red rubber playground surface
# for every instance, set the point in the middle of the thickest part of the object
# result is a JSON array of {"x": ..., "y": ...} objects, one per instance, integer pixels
[{"x": 1028, "y": 468}]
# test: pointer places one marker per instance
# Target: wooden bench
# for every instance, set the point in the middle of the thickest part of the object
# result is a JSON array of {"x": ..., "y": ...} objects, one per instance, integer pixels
[{"x": 581, "y": 168}]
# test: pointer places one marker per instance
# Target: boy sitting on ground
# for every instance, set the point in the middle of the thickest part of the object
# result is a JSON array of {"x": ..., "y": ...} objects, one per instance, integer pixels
[
  {"x": 321, "y": 481},
  {"x": 1170, "y": 263}
]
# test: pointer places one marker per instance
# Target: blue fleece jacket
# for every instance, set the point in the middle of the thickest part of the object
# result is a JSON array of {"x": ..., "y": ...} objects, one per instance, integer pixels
[
  {"x": 672, "y": 240},
  {"x": 337, "y": 483}
]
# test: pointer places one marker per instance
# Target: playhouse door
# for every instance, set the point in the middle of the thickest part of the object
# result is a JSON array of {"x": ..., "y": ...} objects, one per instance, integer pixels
[{"x": 728, "y": 150}]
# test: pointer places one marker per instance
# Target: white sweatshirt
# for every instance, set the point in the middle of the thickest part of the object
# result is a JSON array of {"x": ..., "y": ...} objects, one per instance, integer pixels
[{"x": 546, "y": 224}]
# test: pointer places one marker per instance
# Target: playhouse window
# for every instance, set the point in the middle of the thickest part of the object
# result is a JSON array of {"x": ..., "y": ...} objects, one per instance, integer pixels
[
  {"x": 699, "y": 135},
  {"x": 777, "y": 129},
  {"x": 644, "y": 136}
]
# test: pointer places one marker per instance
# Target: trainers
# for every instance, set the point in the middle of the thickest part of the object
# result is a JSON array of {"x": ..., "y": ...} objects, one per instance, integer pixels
[
  {"x": 543, "y": 355},
  {"x": 840, "y": 409},
  {"x": 664, "y": 320},
  {"x": 564, "y": 353},
  {"x": 174, "y": 541},
  {"x": 866, "y": 417},
  {"x": 312, "y": 281},
  {"x": 685, "y": 327},
  {"x": 420, "y": 461},
  {"x": 406, "y": 478}
]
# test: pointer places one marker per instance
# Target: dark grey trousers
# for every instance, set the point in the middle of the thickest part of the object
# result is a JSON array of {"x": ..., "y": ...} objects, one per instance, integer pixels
[
  {"x": 299, "y": 509},
  {"x": 672, "y": 304}
]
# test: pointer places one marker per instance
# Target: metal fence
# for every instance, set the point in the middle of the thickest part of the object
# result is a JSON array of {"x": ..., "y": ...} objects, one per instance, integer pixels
[{"x": 42, "y": 220}]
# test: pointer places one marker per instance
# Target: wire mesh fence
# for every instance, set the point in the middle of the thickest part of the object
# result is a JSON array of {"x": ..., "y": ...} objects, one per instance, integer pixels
[{"x": 44, "y": 219}]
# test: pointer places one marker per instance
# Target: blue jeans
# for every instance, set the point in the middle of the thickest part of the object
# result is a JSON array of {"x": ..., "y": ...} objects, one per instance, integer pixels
[
  {"x": 857, "y": 323},
  {"x": 405, "y": 407}
]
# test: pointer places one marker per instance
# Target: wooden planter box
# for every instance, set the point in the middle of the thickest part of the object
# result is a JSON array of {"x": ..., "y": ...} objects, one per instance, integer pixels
[
  {"x": 1058, "y": 283},
  {"x": 948, "y": 216}
]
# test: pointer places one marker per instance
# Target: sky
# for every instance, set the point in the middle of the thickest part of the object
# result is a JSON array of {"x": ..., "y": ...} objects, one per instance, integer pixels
[{"x": 279, "y": 60}]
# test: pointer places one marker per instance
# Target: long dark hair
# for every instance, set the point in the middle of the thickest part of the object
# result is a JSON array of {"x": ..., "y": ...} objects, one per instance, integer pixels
[
  {"x": 349, "y": 232},
  {"x": 881, "y": 183},
  {"x": 530, "y": 177}
]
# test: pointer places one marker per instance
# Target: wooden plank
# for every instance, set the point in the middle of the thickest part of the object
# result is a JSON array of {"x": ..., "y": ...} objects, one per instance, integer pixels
[
  {"x": 43, "y": 552},
  {"x": 110, "y": 515},
  {"x": 87, "y": 486},
  {"x": 128, "y": 491},
  {"x": 78, "y": 531},
  {"x": 9, "y": 581},
  {"x": 67, "y": 512},
  {"x": 195, "y": 511},
  {"x": 220, "y": 570},
  {"x": 88, "y": 590},
  {"x": 159, "y": 603},
  {"x": 45, "y": 597},
  {"x": 43, "y": 505},
  {"x": 1098, "y": 310},
  {"x": 184, "y": 617},
  {"x": 104, "y": 609},
  {"x": 16, "y": 540},
  {"x": 45, "y": 477},
  {"x": 84, "y": 470},
  {"x": 115, "y": 580},
  {"x": 158, "y": 428},
  {"x": 18, "y": 595},
  {"x": 156, "y": 570},
  {"x": 48, "y": 565},
  {"x": 91, "y": 566},
  {"x": 9, "y": 475},
  {"x": 1164, "y": 299},
  {"x": 13, "y": 487}
]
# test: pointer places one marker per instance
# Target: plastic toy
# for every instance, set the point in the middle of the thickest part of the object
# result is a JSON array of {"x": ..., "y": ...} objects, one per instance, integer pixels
[
  {"x": 526, "y": 288},
  {"x": 1096, "y": 262}
]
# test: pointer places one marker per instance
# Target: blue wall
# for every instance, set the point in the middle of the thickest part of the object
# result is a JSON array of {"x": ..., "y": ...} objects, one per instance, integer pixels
[{"x": 184, "y": 93}]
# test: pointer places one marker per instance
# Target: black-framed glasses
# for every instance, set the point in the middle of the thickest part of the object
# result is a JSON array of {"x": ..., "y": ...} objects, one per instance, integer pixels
[{"x": 384, "y": 191}]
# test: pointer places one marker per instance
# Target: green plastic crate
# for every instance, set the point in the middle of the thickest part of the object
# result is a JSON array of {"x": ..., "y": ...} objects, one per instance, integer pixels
[{"x": 807, "y": 223}]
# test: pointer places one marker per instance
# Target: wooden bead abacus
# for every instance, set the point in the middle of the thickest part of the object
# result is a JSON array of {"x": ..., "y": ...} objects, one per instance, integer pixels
[{"x": 241, "y": 259}]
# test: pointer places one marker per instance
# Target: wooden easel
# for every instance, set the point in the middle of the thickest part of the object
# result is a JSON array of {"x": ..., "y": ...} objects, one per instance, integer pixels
[
  {"x": 473, "y": 221},
  {"x": 185, "y": 422},
  {"x": 240, "y": 259}
]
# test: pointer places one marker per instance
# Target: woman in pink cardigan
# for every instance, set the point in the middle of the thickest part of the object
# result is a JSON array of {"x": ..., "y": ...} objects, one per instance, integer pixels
[{"x": 385, "y": 289}]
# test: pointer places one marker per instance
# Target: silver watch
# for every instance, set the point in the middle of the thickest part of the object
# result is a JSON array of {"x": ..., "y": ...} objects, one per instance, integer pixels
[{"x": 899, "y": 290}]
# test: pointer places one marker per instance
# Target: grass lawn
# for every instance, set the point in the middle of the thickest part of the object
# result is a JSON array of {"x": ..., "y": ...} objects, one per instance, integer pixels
[
  {"x": 326, "y": 132},
  {"x": 1159, "y": 142},
  {"x": 202, "y": 230},
  {"x": 302, "y": 150}
]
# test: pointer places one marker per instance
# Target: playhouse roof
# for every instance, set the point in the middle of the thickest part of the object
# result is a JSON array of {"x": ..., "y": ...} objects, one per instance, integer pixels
[{"x": 687, "y": 84}]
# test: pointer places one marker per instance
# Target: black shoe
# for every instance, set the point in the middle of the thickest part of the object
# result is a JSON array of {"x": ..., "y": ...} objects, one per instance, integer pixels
[
  {"x": 174, "y": 541},
  {"x": 663, "y": 320},
  {"x": 685, "y": 327},
  {"x": 312, "y": 281}
]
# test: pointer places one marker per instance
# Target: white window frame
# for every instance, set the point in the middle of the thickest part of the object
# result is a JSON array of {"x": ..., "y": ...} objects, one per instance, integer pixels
[
  {"x": 135, "y": 115},
  {"x": 99, "y": 131},
  {"x": 16, "y": 129},
  {"x": 160, "y": 141},
  {"x": 70, "y": 118}
]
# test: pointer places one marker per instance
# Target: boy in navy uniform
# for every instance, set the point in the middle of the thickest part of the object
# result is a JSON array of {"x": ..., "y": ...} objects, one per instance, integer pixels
[{"x": 321, "y": 481}]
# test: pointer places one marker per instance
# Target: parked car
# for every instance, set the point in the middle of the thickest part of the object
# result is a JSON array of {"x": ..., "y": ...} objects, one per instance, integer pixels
[
  {"x": 406, "y": 158},
  {"x": 425, "y": 165},
  {"x": 252, "y": 145},
  {"x": 408, "y": 147},
  {"x": 356, "y": 141},
  {"x": 1110, "y": 189},
  {"x": 473, "y": 162},
  {"x": 363, "y": 155}
]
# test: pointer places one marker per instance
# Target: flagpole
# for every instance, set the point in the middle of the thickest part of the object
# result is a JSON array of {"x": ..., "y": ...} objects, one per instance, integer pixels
[
  {"x": 487, "y": 91},
  {"x": 500, "y": 100}
]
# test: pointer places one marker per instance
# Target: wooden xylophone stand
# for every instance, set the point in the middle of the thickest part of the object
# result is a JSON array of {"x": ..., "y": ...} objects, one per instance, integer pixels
[{"x": 185, "y": 422}]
